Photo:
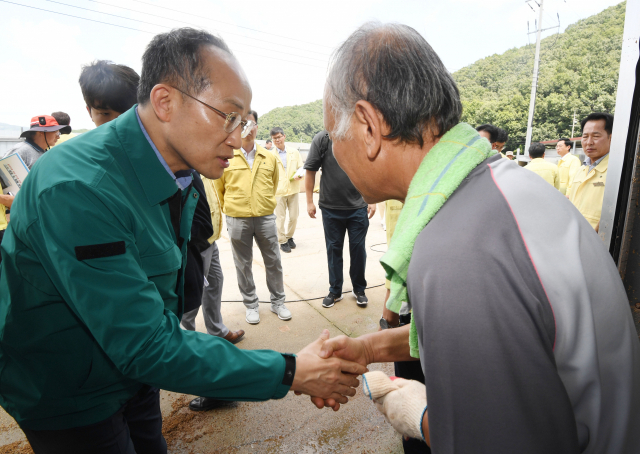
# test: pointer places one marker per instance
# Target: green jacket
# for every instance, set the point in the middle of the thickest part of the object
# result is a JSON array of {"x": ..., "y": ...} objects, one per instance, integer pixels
[{"x": 84, "y": 325}]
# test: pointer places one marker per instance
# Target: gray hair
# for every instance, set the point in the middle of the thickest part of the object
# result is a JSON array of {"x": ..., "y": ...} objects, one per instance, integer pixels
[{"x": 392, "y": 67}]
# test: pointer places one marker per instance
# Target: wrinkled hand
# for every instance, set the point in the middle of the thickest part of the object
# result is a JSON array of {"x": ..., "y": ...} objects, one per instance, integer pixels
[
  {"x": 404, "y": 407},
  {"x": 371, "y": 210},
  {"x": 349, "y": 349},
  {"x": 311, "y": 210},
  {"x": 326, "y": 377}
]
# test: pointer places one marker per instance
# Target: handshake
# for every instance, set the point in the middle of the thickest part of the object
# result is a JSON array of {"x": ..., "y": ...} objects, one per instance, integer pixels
[{"x": 327, "y": 369}]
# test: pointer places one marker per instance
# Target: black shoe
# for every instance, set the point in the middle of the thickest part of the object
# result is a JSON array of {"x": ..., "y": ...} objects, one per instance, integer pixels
[
  {"x": 331, "y": 299},
  {"x": 291, "y": 244},
  {"x": 284, "y": 247},
  {"x": 361, "y": 298},
  {"x": 206, "y": 403}
]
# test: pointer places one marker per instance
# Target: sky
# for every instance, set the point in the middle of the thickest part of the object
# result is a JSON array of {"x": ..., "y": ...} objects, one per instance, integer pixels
[{"x": 284, "y": 46}]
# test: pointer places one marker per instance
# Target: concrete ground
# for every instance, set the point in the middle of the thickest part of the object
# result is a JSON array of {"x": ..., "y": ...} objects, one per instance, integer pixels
[{"x": 292, "y": 424}]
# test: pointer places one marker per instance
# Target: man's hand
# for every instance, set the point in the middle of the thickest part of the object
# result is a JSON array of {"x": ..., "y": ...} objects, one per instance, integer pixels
[
  {"x": 371, "y": 210},
  {"x": 6, "y": 200},
  {"x": 311, "y": 210},
  {"x": 349, "y": 349},
  {"x": 405, "y": 408},
  {"x": 329, "y": 377}
]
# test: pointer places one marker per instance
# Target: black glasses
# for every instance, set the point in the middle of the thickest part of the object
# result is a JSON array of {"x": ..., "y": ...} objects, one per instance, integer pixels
[{"x": 232, "y": 120}]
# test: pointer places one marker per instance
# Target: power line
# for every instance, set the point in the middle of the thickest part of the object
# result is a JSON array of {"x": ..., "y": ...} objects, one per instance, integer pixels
[
  {"x": 164, "y": 26},
  {"x": 198, "y": 25},
  {"x": 229, "y": 23},
  {"x": 145, "y": 31},
  {"x": 77, "y": 17}
]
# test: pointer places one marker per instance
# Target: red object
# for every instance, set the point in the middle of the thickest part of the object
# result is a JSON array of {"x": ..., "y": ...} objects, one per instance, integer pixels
[
  {"x": 393, "y": 378},
  {"x": 43, "y": 120}
]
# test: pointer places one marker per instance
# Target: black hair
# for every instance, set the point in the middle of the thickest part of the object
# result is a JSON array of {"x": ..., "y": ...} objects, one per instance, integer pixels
[
  {"x": 276, "y": 130},
  {"x": 608, "y": 120},
  {"x": 255, "y": 115},
  {"x": 503, "y": 136},
  {"x": 63, "y": 118},
  {"x": 394, "y": 68},
  {"x": 492, "y": 130},
  {"x": 536, "y": 150},
  {"x": 567, "y": 142},
  {"x": 106, "y": 85},
  {"x": 175, "y": 58},
  {"x": 269, "y": 140}
]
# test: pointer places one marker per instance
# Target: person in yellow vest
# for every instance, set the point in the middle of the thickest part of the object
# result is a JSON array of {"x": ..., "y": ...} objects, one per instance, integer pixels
[
  {"x": 586, "y": 190},
  {"x": 289, "y": 162},
  {"x": 247, "y": 194},
  {"x": 5, "y": 204},
  {"x": 568, "y": 164},
  {"x": 538, "y": 165}
]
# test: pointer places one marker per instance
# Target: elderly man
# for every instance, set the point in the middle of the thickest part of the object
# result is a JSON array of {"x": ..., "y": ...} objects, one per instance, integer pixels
[
  {"x": 586, "y": 189},
  {"x": 93, "y": 263},
  {"x": 568, "y": 164},
  {"x": 547, "y": 171},
  {"x": 525, "y": 338}
]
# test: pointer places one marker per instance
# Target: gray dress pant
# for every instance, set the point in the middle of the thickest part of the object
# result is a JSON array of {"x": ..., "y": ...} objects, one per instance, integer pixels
[
  {"x": 242, "y": 231},
  {"x": 211, "y": 296}
]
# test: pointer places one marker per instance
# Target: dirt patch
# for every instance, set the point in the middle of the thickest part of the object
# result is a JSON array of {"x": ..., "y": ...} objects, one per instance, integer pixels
[
  {"x": 183, "y": 426},
  {"x": 18, "y": 447}
]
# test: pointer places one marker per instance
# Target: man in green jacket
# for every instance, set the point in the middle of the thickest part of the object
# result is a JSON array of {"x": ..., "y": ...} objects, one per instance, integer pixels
[{"x": 91, "y": 282}]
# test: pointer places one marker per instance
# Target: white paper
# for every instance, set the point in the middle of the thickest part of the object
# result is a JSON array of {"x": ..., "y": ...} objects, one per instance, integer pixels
[{"x": 13, "y": 171}]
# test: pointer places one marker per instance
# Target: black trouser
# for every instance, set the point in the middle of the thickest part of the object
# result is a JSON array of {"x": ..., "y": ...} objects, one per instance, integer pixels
[
  {"x": 135, "y": 429},
  {"x": 336, "y": 223},
  {"x": 411, "y": 370}
]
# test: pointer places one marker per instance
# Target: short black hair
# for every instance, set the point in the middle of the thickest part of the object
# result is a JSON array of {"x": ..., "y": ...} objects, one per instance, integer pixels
[
  {"x": 106, "y": 85},
  {"x": 503, "y": 136},
  {"x": 607, "y": 117},
  {"x": 174, "y": 58},
  {"x": 536, "y": 150},
  {"x": 269, "y": 140},
  {"x": 492, "y": 130},
  {"x": 255, "y": 115},
  {"x": 567, "y": 142},
  {"x": 63, "y": 118},
  {"x": 277, "y": 130}
]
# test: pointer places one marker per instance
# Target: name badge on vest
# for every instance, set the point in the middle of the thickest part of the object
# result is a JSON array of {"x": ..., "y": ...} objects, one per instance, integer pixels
[{"x": 598, "y": 183}]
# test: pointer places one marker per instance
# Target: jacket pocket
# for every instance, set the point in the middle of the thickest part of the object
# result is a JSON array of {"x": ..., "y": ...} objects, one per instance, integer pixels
[{"x": 163, "y": 263}]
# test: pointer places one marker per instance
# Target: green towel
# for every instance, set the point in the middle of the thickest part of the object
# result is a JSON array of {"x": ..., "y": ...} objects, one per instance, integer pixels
[{"x": 442, "y": 170}]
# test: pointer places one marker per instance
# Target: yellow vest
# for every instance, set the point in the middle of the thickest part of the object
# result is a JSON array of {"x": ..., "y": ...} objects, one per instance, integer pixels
[
  {"x": 567, "y": 169},
  {"x": 3, "y": 217},
  {"x": 249, "y": 192},
  {"x": 391, "y": 214},
  {"x": 287, "y": 185},
  {"x": 546, "y": 170},
  {"x": 586, "y": 190},
  {"x": 214, "y": 205}
]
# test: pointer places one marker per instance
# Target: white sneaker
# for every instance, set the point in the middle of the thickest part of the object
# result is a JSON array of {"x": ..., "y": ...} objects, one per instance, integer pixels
[
  {"x": 253, "y": 316},
  {"x": 282, "y": 311}
]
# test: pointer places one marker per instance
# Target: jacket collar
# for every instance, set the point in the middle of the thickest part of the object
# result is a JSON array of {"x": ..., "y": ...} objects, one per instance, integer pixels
[{"x": 156, "y": 183}]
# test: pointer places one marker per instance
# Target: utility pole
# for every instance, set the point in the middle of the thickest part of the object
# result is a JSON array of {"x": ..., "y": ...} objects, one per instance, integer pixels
[
  {"x": 534, "y": 84},
  {"x": 573, "y": 125}
]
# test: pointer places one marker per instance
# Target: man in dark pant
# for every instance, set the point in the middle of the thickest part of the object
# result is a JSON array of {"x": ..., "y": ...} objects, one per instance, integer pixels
[
  {"x": 134, "y": 429},
  {"x": 336, "y": 223},
  {"x": 343, "y": 209}
]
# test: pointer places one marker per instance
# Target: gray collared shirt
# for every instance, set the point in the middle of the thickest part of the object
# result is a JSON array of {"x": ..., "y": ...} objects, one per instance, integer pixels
[
  {"x": 587, "y": 162},
  {"x": 283, "y": 156}
]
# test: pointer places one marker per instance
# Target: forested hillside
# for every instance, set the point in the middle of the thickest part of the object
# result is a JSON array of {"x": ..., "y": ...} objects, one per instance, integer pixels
[
  {"x": 300, "y": 123},
  {"x": 578, "y": 72}
]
